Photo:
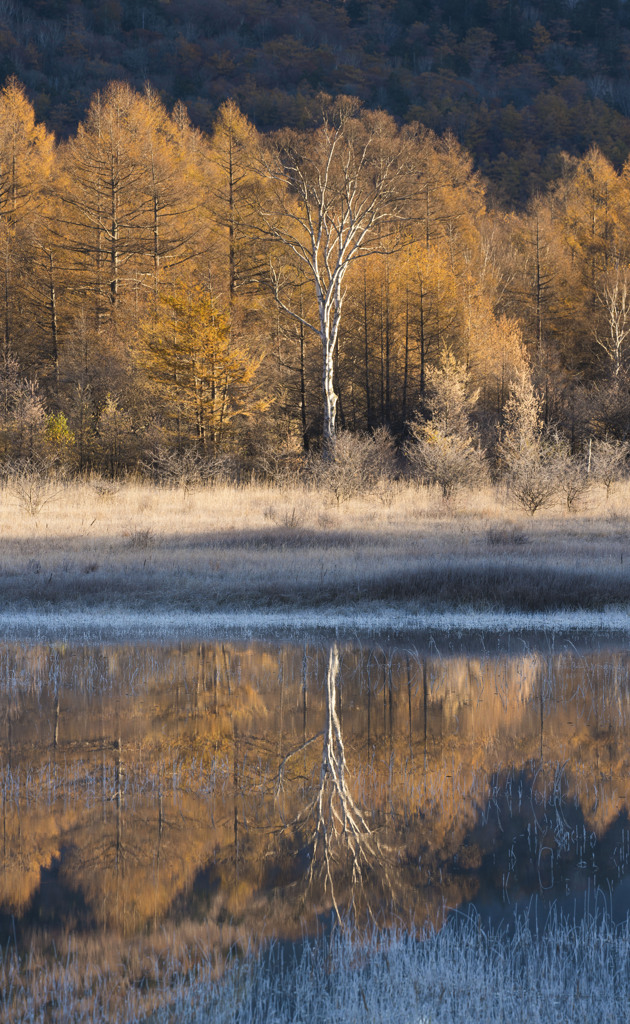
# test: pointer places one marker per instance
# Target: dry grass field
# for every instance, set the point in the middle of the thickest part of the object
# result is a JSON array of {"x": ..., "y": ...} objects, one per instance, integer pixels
[{"x": 88, "y": 544}]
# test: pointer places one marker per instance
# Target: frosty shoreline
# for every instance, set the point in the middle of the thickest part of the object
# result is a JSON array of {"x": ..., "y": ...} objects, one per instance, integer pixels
[{"x": 121, "y": 623}]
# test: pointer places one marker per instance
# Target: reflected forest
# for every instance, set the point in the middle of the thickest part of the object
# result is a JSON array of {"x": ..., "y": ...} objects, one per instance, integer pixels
[{"x": 258, "y": 786}]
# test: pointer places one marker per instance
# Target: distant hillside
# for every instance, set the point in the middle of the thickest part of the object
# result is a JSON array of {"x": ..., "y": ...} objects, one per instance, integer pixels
[{"x": 517, "y": 82}]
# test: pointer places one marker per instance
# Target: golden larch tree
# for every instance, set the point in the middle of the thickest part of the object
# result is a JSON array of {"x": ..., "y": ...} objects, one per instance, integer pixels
[
  {"x": 205, "y": 382},
  {"x": 26, "y": 154}
]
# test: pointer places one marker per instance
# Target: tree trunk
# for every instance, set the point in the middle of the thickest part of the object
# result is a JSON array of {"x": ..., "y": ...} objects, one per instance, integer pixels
[{"x": 330, "y": 398}]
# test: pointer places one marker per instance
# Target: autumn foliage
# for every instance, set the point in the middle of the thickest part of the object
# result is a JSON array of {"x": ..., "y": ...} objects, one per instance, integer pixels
[{"x": 165, "y": 290}]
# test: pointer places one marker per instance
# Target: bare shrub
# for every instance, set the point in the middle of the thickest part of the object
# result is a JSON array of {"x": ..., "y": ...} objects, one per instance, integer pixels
[
  {"x": 186, "y": 469},
  {"x": 573, "y": 480},
  {"x": 32, "y": 486},
  {"x": 541, "y": 471},
  {"x": 387, "y": 490},
  {"x": 444, "y": 450},
  {"x": 141, "y": 538},
  {"x": 289, "y": 517},
  {"x": 608, "y": 462},
  {"x": 446, "y": 460},
  {"x": 354, "y": 464},
  {"x": 533, "y": 485},
  {"x": 280, "y": 466},
  {"x": 534, "y": 460}
]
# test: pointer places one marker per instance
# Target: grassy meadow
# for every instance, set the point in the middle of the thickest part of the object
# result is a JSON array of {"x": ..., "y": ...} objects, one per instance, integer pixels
[{"x": 89, "y": 543}]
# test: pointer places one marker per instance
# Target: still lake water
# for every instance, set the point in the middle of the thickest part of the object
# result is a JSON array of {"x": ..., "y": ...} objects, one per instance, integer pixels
[{"x": 268, "y": 785}]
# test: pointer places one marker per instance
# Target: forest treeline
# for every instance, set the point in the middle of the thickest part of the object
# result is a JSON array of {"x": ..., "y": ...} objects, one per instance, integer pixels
[
  {"x": 517, "y": 83},
  {"x": 159, "y": 305}
]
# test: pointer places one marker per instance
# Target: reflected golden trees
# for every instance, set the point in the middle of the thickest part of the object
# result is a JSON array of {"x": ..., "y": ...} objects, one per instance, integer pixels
[{"x": 235, "y": 783}]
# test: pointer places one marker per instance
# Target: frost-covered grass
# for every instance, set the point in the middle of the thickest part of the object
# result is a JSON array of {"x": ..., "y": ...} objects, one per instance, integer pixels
[
  {"x": 108, "y": 623},
  {"x": 266, "y": 548},
  {"x": 566, "y": 973},
  {"x": 461, "y": 975}
]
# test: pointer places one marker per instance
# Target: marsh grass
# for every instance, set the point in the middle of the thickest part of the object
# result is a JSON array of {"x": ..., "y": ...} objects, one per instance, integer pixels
[
  {"x": 227, "y": 546},
  {"x": 561, "y": 972}
]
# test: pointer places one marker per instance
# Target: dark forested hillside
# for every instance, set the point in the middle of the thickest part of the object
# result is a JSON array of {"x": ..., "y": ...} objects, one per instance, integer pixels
[{"x": 518, "y": 83}]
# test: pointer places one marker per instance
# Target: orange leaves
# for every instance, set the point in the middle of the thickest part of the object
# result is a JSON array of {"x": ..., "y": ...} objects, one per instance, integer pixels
[
  {"x": 204, "y": 380},
  {"x": 26, "y": 151}
]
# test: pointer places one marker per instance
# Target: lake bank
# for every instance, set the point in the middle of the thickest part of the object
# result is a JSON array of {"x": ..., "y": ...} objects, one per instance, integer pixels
[{"x": 423, "y": 630}]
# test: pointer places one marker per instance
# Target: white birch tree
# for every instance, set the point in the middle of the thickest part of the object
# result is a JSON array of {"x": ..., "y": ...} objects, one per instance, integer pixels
[
  {"x": 615, "y": 340},
  {"x": 331, "y": 197}
]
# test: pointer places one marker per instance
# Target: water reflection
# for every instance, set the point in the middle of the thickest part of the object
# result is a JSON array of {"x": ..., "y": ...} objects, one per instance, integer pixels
[
  {"x": 261, "y": 785},
  {"x": 338, "y": 841}
]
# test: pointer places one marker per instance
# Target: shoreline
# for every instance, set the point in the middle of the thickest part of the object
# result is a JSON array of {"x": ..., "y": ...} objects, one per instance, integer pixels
[{"x": 119, "y": 623}]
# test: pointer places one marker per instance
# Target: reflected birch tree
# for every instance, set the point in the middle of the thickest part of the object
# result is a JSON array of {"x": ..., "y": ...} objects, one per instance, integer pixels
[{"x": 342, "y": 845}]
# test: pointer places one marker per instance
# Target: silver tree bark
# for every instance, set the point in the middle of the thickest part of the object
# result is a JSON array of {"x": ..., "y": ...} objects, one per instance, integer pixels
[
  {"x": 615, "y": 299},
  {"x": 331, "y": 197}
]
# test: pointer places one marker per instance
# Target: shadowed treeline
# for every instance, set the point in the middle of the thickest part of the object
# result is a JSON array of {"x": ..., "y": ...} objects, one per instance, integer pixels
[{"x": 518, "y": 84}]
